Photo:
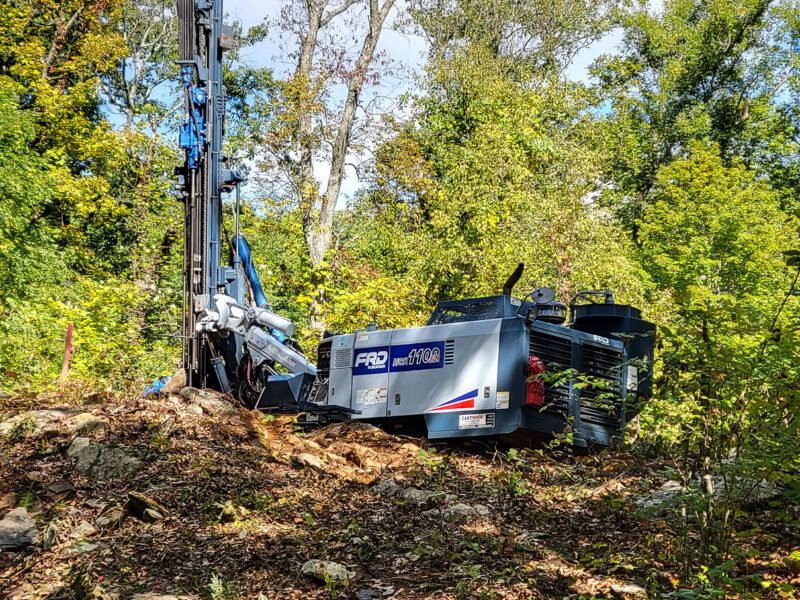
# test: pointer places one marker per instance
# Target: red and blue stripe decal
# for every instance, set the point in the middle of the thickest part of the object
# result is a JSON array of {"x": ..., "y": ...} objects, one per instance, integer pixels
[{"x": 463, "y": 402}]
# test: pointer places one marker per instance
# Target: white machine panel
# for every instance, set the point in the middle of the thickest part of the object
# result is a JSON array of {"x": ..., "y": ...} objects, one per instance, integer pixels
[
  {"x": 370, "y": 373},
  {"x": 444, "y": 368}
]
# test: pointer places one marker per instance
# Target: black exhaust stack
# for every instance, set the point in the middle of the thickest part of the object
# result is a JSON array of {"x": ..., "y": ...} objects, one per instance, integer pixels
[{"x": 508, "y": 286}]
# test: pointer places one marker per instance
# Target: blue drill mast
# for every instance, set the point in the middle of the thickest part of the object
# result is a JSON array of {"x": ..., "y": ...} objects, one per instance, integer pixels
[
  {"x": 227, "y": 345},
  {"x": 203, "y": 39}
]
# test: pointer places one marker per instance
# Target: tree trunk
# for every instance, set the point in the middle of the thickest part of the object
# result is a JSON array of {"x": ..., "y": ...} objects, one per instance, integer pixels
[{"x": 318, "y": 226}]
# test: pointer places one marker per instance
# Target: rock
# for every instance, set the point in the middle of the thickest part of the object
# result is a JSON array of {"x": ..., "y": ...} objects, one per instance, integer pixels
[
  {"x": 49, "y": 535},
  {"x": 83, "y": 530},
  {"x": 17, "y": 530},
  {"x": 176, "y": 383},
  {"x": 87, "y": 423},
  {"x": 210, "y": 402},
  {"x": 103, "y": 463},
  {"x": 59, "y": 486},
  {"x": 84, "y": 547},
  {"x": 145, "y": 508},
  {"x": 387, "y": 487},
  {"x": 527, "y": 537},
  {"x": 111, "y": 517},
  {"x": 659, "y": 502},
  {"x": 46, "y": 420},
  {"x": 464, "y": 513},
  {"x": 326, "y": 570},
  {"x": 36, "y": 476},
  {"x": 309, "y": 460},
  {"x": 629, "y": 591},
  {"x": 377, "y": 591},
  {"x": 78, "y": 444},
  {"x": 8, "y": 500},
  {"x": 60, "y": 489},
  {"x": 421, "y": 497}
]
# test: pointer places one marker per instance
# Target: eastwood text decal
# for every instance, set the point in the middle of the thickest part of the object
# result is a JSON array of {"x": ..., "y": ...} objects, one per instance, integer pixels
[
  {"x": 403, "y": 357},
  {"x": 463, "y": 402}
]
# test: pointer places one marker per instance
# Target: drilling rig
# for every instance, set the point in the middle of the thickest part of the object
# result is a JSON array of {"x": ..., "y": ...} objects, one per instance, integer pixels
[
  {"x": 490, "y": 366},
  {"x": 228, "y": 345}
]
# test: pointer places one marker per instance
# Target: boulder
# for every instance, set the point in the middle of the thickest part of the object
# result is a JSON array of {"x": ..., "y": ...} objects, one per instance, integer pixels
[
  {"x": 629, "y": 591},
  {"x": 211, "y": 402},
  {"x": 326, "y": 570},
  {"x": 145, "y": 508},
  {"x": 464, "y": 513},
  {"x": 84, "y": 423},
  {"x": 83, "y": 530},
  {"x": 47, "y": 420},
  {"x": 387, "y": 487},
  {"x": 77, "y": 445},
  {"x": 17, "y": 530},
  {"x": 423, "y": 497},
  {"x": 102, "y": 462},
  {"x": 658, "y": 501}
]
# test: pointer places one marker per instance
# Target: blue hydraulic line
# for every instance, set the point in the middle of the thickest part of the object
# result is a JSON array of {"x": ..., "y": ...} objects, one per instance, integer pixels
[
  {"x": 191, "y": 134},
  {"x": 252, "y": 277}
]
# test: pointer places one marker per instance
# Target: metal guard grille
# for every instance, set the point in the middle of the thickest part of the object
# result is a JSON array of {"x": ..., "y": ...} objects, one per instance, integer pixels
[
  {"x": 601, "y": 405},
  {"x": 462, "y": 313},
  {"x": 449, "y": 352},
  {"x": 556, "y": 352},
  {"x": 342, "y": 358}
]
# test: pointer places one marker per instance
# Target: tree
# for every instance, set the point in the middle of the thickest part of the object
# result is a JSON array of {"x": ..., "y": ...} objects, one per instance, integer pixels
[
  {"x": 696, "y": 71},
  {"x": 496, "y": 172},
  {"x": 713, "y": 239},
  {"x": 69, "y": 234},
  {"x": 311, "y": 123},
  {"x": 149, "y": 30},
  {"x": 540, "y": 35}
]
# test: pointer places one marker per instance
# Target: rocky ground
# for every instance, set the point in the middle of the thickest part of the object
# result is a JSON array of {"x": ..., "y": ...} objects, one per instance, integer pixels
[{"x": 189, "y": 496}]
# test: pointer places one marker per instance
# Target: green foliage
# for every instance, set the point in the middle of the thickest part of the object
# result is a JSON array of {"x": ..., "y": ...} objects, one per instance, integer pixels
[
  {"x": 221, "y": 589},
  {"x": 84, "y": 209},
  {"x": 496, "y": 173},
  {"x": 712, "y": 239}
]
